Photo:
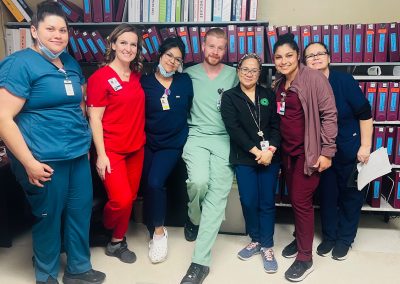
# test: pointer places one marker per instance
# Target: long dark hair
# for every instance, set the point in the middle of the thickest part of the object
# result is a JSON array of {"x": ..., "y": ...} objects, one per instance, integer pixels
[{"x": 286, "y": 39}]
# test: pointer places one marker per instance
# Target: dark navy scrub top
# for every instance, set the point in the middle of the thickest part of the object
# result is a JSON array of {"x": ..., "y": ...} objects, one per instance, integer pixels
[{"x": 51, "y": 122}]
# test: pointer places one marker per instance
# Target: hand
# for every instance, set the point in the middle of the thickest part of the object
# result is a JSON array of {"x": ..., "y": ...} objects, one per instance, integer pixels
[
  {"x": 363, "y": 154},
  {"x": 266, "y": 158},
  {"x": 256, "y": 152},
  {"x": 38, "y": 173},
  {"x": 103, "y": 165},
  {"x": 323, "y": 163}
]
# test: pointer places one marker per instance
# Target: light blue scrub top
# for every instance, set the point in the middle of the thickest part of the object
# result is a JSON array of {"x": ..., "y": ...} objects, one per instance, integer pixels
[{"x": 50, "y": 121}]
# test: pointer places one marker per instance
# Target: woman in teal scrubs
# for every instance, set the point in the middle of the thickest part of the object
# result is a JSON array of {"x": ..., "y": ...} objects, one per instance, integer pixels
[{"x": 43, "y": 125}]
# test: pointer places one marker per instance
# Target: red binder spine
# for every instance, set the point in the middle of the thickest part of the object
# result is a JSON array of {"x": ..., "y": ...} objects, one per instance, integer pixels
[
  {"x": 184, "y": 35},
  {"x": 97, "y": 6},
  {"x": 120, "y": 10},
  {"x": 394, "y": 34},
  {"x": 242, "y": 44},
  {"x": 99, "y": 41},
  {"x": 347, "y": 43},
  {"x": 250, "y": 40},
  {"x": 295, "y": 30},
  {"x": 84, "y": 48},
  {"x": 272, "y": 38},
  {"x": 203, "y": 31},
  {"x": 336, "y": 33},
  {"x": 87, "y": 11},
  {"x": 172, "y": 32},
  {"x": 225, "y": 58},
  {"x": 369, "y": 43},
  {"x": 71, "y": 14},
  {"x": 232, "y": 44},
  {"x": 393, "y": 102},
  {"x": 316, "y": 33},
  {"x": 381, "y": 42},
  {"x": 73, "y": 43},
  {"x": 149, "y": 47},
  {"x": 390, "y": 142},
  {"x": 374, "y": 193},
  {"x": 108, "y": 10},
  {"x": 283, "y": 30},
  {"x": 92, "y": 46},
  {"x": 145, "y": 53},
  {"x": 396, "y": 158},
  {"x": 305, "y": 37},
  {"x": 259, "y": 42},
  {"x": 371, "y": 95},
  {"x": 164, "y": 33},
  {"x": 381, "y": 101},
  {"x": 358, "y": 42},
  {"x": 379, "y": 137},
  {"x": 326, "y": 36},
  {"x": 195, "y": 40},
  {"x": 396, "y": 190},
  {"x": 154, "y": 38}
]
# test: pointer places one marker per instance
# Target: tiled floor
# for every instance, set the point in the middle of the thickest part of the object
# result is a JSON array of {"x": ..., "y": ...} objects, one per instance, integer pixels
[{"x": 375, "y": 258}]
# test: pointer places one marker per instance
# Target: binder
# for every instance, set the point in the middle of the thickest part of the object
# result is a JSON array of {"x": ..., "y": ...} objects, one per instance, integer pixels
[
  {"x": 394, "y": 34},
  {"x": 374, "y": 193},
  {"x": 393, "y": 102},
  {"x": 120, "y": 10},
  {"x": 232, "y": 44},
  {"x": 295, "y": 30},
  {"x": 369, "y": 43},
  {"x": 250, "y": 37},
  {"x": 316, "y": 33},
  {"x": 172, "y": 32},
  {"x": 381, "y": 101},
  {"x": 73, "y": 43},
  {"x": 390, "y": 142},
  {"x": 225, "y": 58},
  {"x": 26, "y": 8},
  {"x": 195, "y": 41},
  {"x": 149, "y": 47},
  {"x": 99, "y": 41},
  {"x": 24, "y": 13},
  {"x": 87, "y": 11},
  {"x": 243, "y": 12},
  {"x": 272, "y": 38},
  {"x": 336, "y": 37},
  {"x": 326, "y": 36},
  {"x": 259, "y": 42},
  {"x": 22, "y": 38},
  {"x": 283, "y": 30},
  {"x": 184, "y": 35},
  {"x": 87, "y": 54},
  {"x": 203, "y": 31},
  {"x": 396, "y": 158},
  {"x": 145, "y": 53},
  {"x": 305, "y": 37},
  {"x": 358, "y": 42},
  {"x": 226, "y": 10},
  {"x": 108, "y": 10},
  {"x": 217, "y": 11},
  {"x": 371, "y": 89},
  {"x": 391, "y": 189},
  {"x": 98, "y": 55},
  {"x": 347, "y": 43},
  {"x": 236, "y": 10},
  {"x": 381, "y": 42},
  {"x": 252, "y": 10},
  {"x": 71, "y": 14},
  {"x": 164, "y": 33},
  {"x": 97, "y": 6},
  {"x": 13, "y": 10},
  {"x": 242, "y": 43},
  {"x": 155, "y": 39},
  {"x": 135, "y": 11},
  {"x": 379, "y": 137}
]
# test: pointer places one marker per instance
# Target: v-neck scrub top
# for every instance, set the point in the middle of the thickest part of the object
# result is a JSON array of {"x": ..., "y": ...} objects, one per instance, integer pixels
[
  {"x": 123, "y": 118},
  {"x": 51, "y": 122}
]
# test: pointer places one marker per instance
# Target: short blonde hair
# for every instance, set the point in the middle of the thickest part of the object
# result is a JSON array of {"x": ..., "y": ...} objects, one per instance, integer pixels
[{"x": 217, "y": 32}]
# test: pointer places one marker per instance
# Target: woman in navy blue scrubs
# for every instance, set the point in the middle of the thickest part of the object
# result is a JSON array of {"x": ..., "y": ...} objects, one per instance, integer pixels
[
  {"x": 43, "y": 125},
  {"x": 340, "y": 202},
  {"x": 168, "y": 100}
]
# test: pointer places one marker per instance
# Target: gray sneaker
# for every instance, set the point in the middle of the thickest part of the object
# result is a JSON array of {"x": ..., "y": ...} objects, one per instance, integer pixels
[
  {"x": 251, "y": 249},
  {"x": 269, "y": 261},
  {"x": 121, "y": 251}
]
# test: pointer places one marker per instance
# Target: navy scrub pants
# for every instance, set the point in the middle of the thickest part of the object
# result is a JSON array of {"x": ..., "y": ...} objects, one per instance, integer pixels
[
  {"x": 66, "y": 199},
  {"x": 256, "y": 186},
  {"x": 157, "y": 167},
  {"x": 340, "y": 205}
]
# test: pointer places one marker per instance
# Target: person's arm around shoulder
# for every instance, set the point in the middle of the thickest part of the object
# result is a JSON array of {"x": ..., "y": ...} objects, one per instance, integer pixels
[{"x": 10, "y": 106}]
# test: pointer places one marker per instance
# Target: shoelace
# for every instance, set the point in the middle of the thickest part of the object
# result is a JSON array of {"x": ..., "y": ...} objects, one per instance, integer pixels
[
  {"x": 268, "y": 254},
  {"x": 251, "y": 245},
  {"x": 194, "y": 270}
]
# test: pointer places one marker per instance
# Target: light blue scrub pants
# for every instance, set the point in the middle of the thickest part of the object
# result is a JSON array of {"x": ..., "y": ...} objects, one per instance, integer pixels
[{"x": 66, "y": 199}]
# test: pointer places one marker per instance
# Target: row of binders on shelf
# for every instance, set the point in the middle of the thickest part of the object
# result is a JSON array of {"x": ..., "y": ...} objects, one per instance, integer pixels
[
  {"x": 384, "y": 98},
  {"x": 347, "y": 43},
  {"x": 386, "y": 187},
  {"x": 388, "y": 137},
  {"x": 19, "y": 9}
]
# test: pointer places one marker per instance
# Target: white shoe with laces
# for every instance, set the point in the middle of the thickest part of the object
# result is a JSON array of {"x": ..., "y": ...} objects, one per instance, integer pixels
[{"x": 158, "y": 249}]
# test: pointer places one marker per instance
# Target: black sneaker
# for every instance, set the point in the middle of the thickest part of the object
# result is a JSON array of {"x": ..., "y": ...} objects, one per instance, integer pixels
[
  {"x": 299, "y": 270},
  {"x": 290, "y": 250},
  {"x": 88, "y": 277},
  {"x": 121, "y": 251},
  {"x": 191, "y": 231},
  {"x": 325, "y": 248},
  {"x": 50, "y": 280},
  {"x": 195, "y": 274},
  {"x": 340, "y": 251}
]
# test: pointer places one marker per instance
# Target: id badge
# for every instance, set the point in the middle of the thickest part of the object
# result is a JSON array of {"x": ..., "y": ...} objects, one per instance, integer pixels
[
  {"x": 115, "y": 84},
  {"x": 264, "y": 145},
  {"x": 219, "y": 102},
  {"x": 69, "y": 88},
  {"x": 164, "y": 102},
  {"x": 280, "y": 108}
]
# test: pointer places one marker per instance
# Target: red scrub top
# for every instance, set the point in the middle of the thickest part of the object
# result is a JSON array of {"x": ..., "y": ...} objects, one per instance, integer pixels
[{"x": 123, "y": 119}]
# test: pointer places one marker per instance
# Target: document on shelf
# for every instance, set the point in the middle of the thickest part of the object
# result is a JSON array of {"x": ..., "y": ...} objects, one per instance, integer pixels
[{"x": 377, "y": 166}]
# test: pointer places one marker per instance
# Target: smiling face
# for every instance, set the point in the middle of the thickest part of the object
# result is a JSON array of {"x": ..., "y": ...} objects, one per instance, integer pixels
[
  {"x": 171, "y": 59},
  {"x": 214, "y": 49},
  {"x": 317, "y": 57},
  {"x": 249, "y": 72},
  {"x": 52, "y": 32},
  {"x": 125, "y": 47},
  {"x": 286, "y": 60}
]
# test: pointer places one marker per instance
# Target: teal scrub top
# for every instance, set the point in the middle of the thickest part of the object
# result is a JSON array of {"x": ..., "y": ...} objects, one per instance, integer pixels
[{"x": 51, "y": 122}]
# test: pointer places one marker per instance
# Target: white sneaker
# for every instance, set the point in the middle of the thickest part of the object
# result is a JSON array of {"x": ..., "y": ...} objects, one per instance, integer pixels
[{"x": 158, "y": 249}]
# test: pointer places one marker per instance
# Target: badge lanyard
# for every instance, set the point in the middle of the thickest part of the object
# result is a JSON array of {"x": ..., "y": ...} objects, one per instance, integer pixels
[
  {"x": 220, "y": 93},
  {"x": 164, "y": 100},
  {"x": 67, "y": 83},
  {"x": 264, "y": 144},
  {"x": 281, "y": 106}
]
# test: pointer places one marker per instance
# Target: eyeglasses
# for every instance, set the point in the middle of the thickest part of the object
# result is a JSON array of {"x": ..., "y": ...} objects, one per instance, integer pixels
[
  {"x": 246, "y": 71},
  {"x": 312, "y": 55},
  {"x": 176, "y": 60}
]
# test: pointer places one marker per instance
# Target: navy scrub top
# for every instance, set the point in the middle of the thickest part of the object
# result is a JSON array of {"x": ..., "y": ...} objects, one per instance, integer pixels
[{"x": 50, "y": 121}]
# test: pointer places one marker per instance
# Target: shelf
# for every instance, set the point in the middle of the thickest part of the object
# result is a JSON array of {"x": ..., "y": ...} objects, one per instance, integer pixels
[
  {"x": 395, "y": 166},
  {"x": 385, "y": 207},
  {"x": 376, "y": 78},
  {"x": 15, "y": 25},
  {"x": 397, "y": 122},
  {"x": 366, "y": 64}
]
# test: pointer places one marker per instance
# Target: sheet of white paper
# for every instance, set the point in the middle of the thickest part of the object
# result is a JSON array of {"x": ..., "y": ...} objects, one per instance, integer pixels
[{"x": 377, "y": 166}]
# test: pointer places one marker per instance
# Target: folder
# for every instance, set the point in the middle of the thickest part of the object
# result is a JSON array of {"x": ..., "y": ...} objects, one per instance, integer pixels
[
  {"x": 232, "y": 44},
  {"x": 394, "y": 34},
  {"x": 374, "y": 193},
  {"x": 120, "y": 10},
  {"x": 391, "y": 188},
  {"x": 381, "y": 101},
  {"x": 381, "y": 42},
  {"x": 259, "y": 42},
  {"x": 283, "y": 30},
  {"x": 87, "y": 11},
  {"x": 316, "y": 33},
  {"x": 184, "y": 35},
  {"x": 108, "y": 10},
  {"x": 295, "y": 30},
  {"x": 358, "y": 42},
  {"x": 98, "y": 55},
  {"x": 379, "y": 137},
  {"x": 99, "y": 41},
  {"x": 272, "y": 38},
  {"x": 336, "y": 39},
  {"x": 390, "y": 145},
  {"x": 326, "y": 36},
  {"x": 87, "y": 54},
  {"x": 396, "y": 157},
  {"x": 371, "y": 89},
  {"x": 369, "y": 43},
  {"x": 347, "y": 43},
  {"x": 203, "y": 31},
  {"x": 71, "y": 14},
  {"x": 242, "y": 43},
  {"x": 250, "y": 39},
  {"x": 305, "y": 37},
  {"x": 195, "y": 41},
  {"x": 393, "y": 102},
  {"x": 97, "y": 6},
  {"x": 155, "y": 38},
  {"x": 73, "y": 43}
]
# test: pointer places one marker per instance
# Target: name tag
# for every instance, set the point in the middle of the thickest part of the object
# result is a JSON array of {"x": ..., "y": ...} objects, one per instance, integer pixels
[
  {"x": 264, "y": 145},
  {"x": 280, "y": 108},
  {"x": 164, "y": 102},
  {"x": 68, "y": 88},
  {"x": 115, "y": 84}
]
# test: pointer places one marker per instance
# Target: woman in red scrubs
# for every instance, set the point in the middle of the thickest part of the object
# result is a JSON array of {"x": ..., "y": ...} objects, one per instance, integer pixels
[{"x": 115, "y": 102}]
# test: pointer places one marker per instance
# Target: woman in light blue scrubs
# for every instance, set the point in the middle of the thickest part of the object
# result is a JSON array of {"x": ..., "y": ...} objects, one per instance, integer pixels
[{"x": 43, "y": 125}]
